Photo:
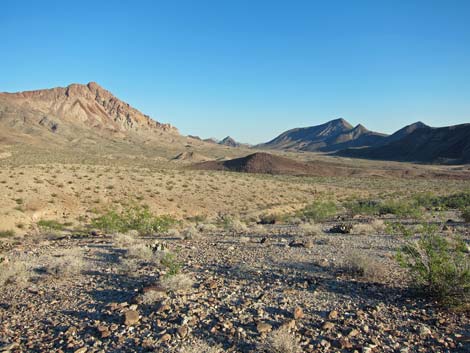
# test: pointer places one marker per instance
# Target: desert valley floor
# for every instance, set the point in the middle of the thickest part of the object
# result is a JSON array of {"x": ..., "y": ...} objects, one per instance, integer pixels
[{"x": 252, "y": 263}]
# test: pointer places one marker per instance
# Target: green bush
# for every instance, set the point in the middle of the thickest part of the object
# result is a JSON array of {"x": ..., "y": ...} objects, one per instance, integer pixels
[
  {"x": 363, "y": 207},
  {"x": 135, "y": 217},
  {"x": 172, "y": 266},
  {"x": 438, "y": 266},
  {"x": 455, "y": 201},
  {"x": 50, "y": 225},
  {"x": 318, "y": 211},
  {"x": 399, "y": 207}
]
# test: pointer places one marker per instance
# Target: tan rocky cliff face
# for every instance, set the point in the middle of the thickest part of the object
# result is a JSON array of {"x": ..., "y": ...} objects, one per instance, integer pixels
[{"x": 89, "y": 106}]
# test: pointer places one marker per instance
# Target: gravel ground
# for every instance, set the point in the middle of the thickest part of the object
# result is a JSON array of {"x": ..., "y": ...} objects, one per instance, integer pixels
[{"x": 245, "y": 288}]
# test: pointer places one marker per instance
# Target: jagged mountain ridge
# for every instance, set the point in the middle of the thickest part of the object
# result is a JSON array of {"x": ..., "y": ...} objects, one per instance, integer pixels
[
  {"x": 331, "y": 136},
  {"x": 449, "y": 145},
  {"x": 70, "y": 111}
]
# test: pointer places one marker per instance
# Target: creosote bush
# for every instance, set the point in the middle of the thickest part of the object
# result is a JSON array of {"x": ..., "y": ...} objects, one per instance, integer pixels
[
  {"x": 438, "y": 265},
  {"x": 398, "y": 207},
  {"x": 135, "y": 217},
  {"x": 318, "y": 211},
  {"x": 455, "y": 201},
  {"x": 172, "y": 266}
]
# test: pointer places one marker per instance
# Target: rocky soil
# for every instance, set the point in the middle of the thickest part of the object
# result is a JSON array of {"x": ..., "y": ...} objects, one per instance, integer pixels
[{"x": 245, "y": 287}]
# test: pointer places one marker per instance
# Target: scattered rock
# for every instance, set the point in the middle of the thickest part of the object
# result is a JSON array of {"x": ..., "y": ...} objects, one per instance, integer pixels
[
  {"x": 298, "y": 313},
  {"x": 343, "y": 228},
  {"x": 131, "y": 317},
  {"x": 263, "y": 327}
]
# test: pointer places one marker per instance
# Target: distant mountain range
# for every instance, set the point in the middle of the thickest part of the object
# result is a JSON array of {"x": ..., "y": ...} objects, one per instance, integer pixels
[
  {"x": 415, "y": 143},
  {"x": 444, "y": 145},
  {"x": 87, "y": 115},
  {"x": 331, "y": 136}
]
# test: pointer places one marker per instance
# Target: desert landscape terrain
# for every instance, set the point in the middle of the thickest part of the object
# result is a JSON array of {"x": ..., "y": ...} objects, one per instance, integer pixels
[{"x": 118, "y": 234}]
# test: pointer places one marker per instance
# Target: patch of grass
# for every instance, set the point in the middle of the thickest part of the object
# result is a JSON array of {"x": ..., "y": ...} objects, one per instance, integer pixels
[
  {"x": 135, "y": 217},
  {"x": 50, "y": 225},
  {"x": 438, "y": 266}
]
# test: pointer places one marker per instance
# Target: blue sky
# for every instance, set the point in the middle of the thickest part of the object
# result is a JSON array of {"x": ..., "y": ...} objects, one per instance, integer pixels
[{"x": 248, "y": 68}]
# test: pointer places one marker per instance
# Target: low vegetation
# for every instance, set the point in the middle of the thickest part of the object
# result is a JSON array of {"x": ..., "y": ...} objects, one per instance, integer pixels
[
  {"x": 15, "y": 272},
  {"x": 135, "y": 217},
  {"x": 50, "y": 225},
  {"x": 438, "y": 265},
  {"x": 364, "y": 266},
  {"x": 7, "y": 233},
  {"x": 280, "y": 341},
  {"x": 318, "y": 211},
  {"x": 398, "y": 207}
]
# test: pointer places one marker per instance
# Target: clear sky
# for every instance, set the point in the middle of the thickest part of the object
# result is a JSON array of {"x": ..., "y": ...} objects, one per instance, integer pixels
[{"x": 250, "y": 68}]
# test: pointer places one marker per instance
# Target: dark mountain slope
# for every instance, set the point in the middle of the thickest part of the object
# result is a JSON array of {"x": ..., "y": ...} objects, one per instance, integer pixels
[{"x": 449, "y": 145}]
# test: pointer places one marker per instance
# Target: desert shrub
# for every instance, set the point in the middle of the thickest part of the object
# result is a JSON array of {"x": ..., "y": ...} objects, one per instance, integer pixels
[
  {"x": 401, "y": 208},
  {"x": 15, "y": 272},
  {"x": 199, "y": 346},
  {"x": 363, "y": 207},
  {"x": 177, "y": 282},
  {"x": 207, "y": 228},
  {"x": 455, "y": 201},
  {"x": 438, "y": 266},
  {"x": 69, "y": 262},
  {"x": 172, "y": 266},
  {"x": 191, "y": 232},
  {"x": 174, "y": 233},
  {"x": 466, "y": 214},
  {"x": 310, "y": 229},
  {"x": 280, "y": 341},
  {"x": 362, "y": 265},
  {"x": 375, "y": 226},
  {"x": 152, "y": 297},
  {"x": 270, "y": 219},
  {"x": 135, "y": 217},
  {"x": 7, "y": 233},
  {"x": 124, "y": 239},
  {"x": 50, "y": 225},
  {"x": 318, "y": 211},
  {"x": 238, "y": 226},
  {"x": 397, "y": 207},
  {"x": 140, "y": 251}
]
